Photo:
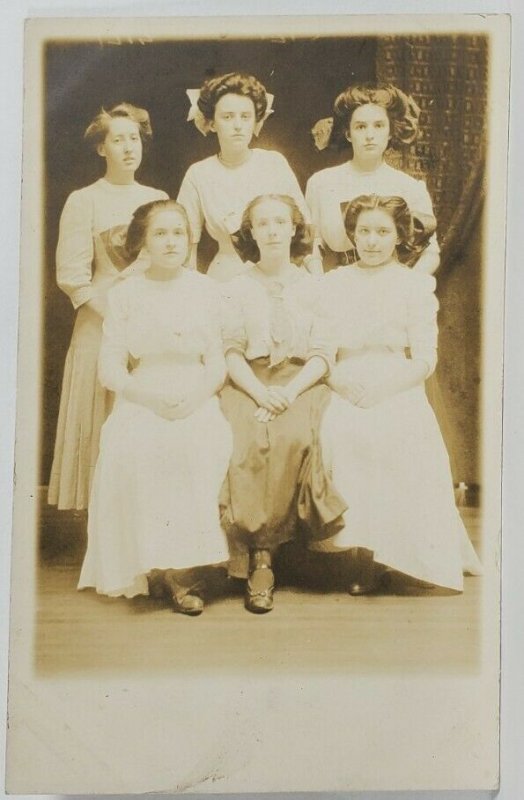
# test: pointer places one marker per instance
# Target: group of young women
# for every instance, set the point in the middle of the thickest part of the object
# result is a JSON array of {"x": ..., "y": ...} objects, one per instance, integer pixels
[{"x": 207, "y": 419}]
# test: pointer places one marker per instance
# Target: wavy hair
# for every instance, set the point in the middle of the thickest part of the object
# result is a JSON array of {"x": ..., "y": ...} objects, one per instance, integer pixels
[
  {"x": 395, "y": 207},
  {"x": 301, "y": 243},
  {"x": 232, "y": 83},
  {"x": 137, "y": 230},
  {"x": 403, "y": 113},
  {"x": 98, "y": 128}
]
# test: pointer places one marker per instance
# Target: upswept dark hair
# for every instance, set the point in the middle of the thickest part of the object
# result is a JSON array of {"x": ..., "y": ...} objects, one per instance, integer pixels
[
  {"x": 137, "y": 230},
  {"x": 395, "y": 207},
  {"x": 232, "y": 83},
  {"x": 402, "y": 111},
  {"x": 301, "y": 243},
  {"x": 414, "y": 231},
  {"x": 98, "y": 128}
]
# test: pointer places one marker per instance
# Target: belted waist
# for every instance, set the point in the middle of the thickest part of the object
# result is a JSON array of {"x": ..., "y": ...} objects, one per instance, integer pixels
[
  {"x": 350, "y": 352},
  {"x": 159, "y": 359},
  {"x": 266, "y": 361}
]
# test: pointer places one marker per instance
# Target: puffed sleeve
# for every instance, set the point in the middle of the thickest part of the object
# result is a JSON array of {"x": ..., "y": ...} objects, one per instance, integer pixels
[
  {"x": 189, "y": 197},
  {"x": 74, "y": 252},
  {"x": 322, "y": 331},
  {"x": 422, "y": 328},
  {"x": 234, "y": 334},
  {"x": 113, "y": 359}
]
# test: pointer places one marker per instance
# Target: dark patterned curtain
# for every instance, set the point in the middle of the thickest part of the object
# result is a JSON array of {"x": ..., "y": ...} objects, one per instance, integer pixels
[{"x": 447, "y": 76}]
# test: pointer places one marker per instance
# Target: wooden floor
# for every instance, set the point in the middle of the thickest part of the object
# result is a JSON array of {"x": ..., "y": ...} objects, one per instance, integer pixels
[{"x": 309, "y": 630}]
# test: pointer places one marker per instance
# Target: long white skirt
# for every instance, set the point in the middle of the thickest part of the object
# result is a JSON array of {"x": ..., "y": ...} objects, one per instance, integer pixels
[
  {"x": 390, "y": 464},
  {"x": 154, "y": 501}
]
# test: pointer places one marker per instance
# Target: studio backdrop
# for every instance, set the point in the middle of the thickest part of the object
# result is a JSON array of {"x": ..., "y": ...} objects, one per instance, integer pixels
[{"x": 447, "y": 75}]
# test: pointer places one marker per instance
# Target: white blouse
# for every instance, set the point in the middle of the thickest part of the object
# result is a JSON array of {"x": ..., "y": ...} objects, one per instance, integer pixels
[
  {"x": 391, "y": 307},
  {"x": 327, "y": 189},
  {"x": 90, "y": 254},
  {"x": 216, "y": 195},
  {"x": 146, "y": 318},
  {"x": 279, "y": 320}
]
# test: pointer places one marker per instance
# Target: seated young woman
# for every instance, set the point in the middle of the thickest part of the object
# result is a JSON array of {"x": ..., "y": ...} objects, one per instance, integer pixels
[
  {"x": 380, "y": 437},
  {"x": 165, "y": 448},
  {"x": 278, "y": 349}
]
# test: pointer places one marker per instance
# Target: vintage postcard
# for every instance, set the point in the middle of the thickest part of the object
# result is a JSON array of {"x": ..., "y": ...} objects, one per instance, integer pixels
[{"x": 256, "y": 539}]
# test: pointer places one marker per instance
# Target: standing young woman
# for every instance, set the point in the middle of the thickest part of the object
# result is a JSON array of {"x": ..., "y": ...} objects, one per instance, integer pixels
[
  {"x": 164, "y": 450},
  {"x": 216, "y": 191},
  {"x": 367, "y": 120},
  {"x": 278, "y": 348},
  {"x": 380, "y": 437},
  {"x": 90, "y": 258}
]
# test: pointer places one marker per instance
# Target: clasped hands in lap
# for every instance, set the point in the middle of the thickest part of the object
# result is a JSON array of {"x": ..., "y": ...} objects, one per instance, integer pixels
[
  {"x": 170, "y": 406},
  {"x": 363, "y": 396},
  {"x": 177, "y": 406},
  {"x": 272, "y": 401},
  {"x": 405, "y": 376}
]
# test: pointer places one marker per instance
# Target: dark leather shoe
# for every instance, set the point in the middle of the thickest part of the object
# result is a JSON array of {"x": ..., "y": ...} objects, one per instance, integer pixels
[
  {"x": 259, "y": 602},
  {"x": 191, "y": 604},
  {"x": 261, "y": 583},
  {"x": 185, "y": 600}
]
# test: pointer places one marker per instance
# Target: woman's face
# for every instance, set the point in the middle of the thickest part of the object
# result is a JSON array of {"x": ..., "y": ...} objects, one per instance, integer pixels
[
  {"x": 234, "y": 121},
  {"x": 122, "y": 146},
  {"x": 272, "y": 228},
  {"x": 375, "y": 237},
  {"x": 167, "y": 240},
  {"x": 369, "y": 132}
]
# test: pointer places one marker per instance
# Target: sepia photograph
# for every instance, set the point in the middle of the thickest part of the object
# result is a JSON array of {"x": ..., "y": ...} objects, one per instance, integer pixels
[{"x": 258, "y": 489}]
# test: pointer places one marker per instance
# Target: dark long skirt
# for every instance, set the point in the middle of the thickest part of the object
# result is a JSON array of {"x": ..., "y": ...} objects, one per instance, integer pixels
[{"x": 276, "y": 476}]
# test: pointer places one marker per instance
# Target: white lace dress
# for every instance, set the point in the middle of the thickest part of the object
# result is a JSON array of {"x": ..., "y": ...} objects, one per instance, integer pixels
[
  {"x": 389, "y": 462},
  {"x": 154, "y": 502}
]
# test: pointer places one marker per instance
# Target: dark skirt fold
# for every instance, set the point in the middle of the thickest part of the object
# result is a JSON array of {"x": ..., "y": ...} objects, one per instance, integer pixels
[{"x": 276, "y": 477}]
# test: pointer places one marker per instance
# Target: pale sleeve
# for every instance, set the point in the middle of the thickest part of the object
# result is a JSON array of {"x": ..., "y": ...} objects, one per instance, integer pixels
[
  {"x": 113, "y": 358},
  {"x": 313, "y": 203},
  {"x": 233, "y": 327},
  {"x": 291, "y": 186},
  {"x": 422, "y": 204},
  {"x": 422, "y": 327},
  {"x": 74, "y": 252},
  {"x": 213, "y": 356},
  {"x": 322, "y": 338},
  {"x": 189, "y": 197}
]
